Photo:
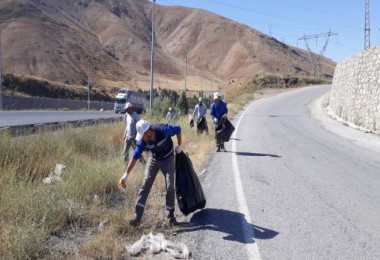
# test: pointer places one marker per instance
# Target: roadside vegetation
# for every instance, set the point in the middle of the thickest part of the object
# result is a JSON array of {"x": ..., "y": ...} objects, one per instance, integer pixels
[
  {"x": 84, "y": 214},
  {"x": 36, "y": 87}
]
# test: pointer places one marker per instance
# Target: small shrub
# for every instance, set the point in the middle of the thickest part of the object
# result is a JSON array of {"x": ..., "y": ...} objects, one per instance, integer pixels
[
  {"x": 160, "y": 108},
  {"x": 183, "y": 104}
]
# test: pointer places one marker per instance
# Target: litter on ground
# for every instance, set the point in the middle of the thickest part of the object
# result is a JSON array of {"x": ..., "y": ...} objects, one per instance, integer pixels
[
  {"x": 156, "y": 244},
  {"x": 56, "y": 175}
]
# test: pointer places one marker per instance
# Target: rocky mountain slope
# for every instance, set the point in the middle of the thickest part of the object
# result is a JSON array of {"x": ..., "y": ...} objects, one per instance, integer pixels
[{"x": 109, "y": 43}]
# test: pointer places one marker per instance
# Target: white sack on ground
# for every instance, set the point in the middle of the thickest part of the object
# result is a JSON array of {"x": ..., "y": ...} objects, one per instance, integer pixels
[
  {"x": 157, "y": 243},
  {"x": 56, "y": 175}
]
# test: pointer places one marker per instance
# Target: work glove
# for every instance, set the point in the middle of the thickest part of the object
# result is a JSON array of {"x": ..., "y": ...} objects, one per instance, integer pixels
[
  {"x": 216, "y": 120},
  {"x": 122, "y": 182},
  {"x": 178, "y": 149}
]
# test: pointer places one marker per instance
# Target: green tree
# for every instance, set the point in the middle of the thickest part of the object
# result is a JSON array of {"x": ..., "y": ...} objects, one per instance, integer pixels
[{"x": 183, "y": 103}]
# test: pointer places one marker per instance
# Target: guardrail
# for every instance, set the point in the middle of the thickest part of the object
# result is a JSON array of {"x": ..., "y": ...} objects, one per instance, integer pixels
[
  {"x": 28, "y": 103},
  {"x": 35, "y": 128}
]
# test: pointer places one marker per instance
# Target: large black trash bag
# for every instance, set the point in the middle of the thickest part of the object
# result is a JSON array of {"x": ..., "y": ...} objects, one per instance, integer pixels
[
  {"x": 189, "y": 192},
  {"x": 224, "y": 129},
  {"x": 201, "y": 125}
]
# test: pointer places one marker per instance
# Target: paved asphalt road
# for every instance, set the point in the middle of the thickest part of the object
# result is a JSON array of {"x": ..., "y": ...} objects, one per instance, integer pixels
[
  {"x": 289, "y": 188},
  {"x": 17, "y": 118}
]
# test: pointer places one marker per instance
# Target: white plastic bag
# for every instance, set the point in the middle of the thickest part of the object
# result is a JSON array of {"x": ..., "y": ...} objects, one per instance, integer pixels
[
  {"x": 179, "y": 250},
  {"x": 157, "y": 243},
  {"x": 137, "y": 247},
  {"x": 56, "y": 175}
]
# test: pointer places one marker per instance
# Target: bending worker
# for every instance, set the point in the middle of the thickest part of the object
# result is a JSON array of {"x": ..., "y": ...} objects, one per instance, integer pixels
[{"x": 156, "y": 138}]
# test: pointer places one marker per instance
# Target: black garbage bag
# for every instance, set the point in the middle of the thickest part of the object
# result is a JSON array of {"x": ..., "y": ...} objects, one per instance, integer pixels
[
  {"x": 189, "y": 192},
  {"x": 191, "y": 122},
  {"x": 201, "y": 125},
  {"x": 224, "y": 129}
]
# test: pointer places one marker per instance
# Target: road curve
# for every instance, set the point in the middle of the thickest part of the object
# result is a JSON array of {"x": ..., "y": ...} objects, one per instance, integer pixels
[{"x": 288, "y": 189}]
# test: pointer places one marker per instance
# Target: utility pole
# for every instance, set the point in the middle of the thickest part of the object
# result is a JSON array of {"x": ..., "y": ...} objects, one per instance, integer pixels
[
  {"x": 152, "y": 57},
  {"x": 367, "y": 29},
  {"x": 186, "y": 70},
  {"x": 202, "y": 86},
  {"x": 187, "y": 52},
  {"x": 88, "y": 84},
  {"x": 316, "y": 59},
  {"x": 270, "y": 30},
  {"x": 1, "y": 72},
  {"x": 1, "y": 65}
]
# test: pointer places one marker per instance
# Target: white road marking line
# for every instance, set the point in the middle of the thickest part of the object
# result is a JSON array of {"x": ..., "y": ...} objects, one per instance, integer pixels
[{"x": 249, "y": 234}]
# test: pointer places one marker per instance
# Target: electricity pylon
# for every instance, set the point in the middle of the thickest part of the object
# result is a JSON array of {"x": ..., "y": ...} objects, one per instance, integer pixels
[
  {"x": 367, "y": 29},
  {"x": 316, "y": 59}
]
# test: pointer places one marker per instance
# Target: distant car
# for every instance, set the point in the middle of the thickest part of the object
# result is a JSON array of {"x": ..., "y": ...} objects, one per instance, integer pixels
[{"x": 127, "y": 95}]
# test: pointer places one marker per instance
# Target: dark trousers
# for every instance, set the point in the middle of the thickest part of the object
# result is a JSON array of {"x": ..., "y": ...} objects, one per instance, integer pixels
[
  {"x": 218, "y": 140},
  {"x": 130, "y": 143},
  {"x": 167, "y": 168}
]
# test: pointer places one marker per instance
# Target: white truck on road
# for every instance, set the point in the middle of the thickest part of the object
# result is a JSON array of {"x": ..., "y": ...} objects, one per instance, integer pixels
[{"x": 127, "y": 95}]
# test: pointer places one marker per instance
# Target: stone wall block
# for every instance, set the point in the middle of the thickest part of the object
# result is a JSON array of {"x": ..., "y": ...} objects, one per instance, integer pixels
[{"x": 355, "y": 92}]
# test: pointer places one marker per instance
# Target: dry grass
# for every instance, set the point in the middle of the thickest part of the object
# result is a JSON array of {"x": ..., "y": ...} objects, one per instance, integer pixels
[
  {"x": 61, "y": 220},
  {"x": 32, "y": 212},
  {"x": 236, "y": 98}
]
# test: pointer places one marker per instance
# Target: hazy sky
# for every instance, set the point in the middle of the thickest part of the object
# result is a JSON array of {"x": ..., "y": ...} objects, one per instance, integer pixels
[{"x": 289, "y": 20}]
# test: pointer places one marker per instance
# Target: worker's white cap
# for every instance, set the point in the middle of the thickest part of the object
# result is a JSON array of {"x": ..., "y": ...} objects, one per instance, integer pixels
[
  {"x": 128, "y": 105},
  {"x": 216, "y": 95},
  {"x": 142, "y": 126},
  {"x": 170, "y": 109}
]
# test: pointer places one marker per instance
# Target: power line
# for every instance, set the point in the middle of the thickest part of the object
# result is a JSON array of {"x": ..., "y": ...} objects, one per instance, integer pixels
[
  {"x": 291, "y": 30},
  {"x": 312, "y": 10},
  {"x": 152, "y": 57},
  {"x": 257, "y": 12},
  {"x": 317, "y": 70}
]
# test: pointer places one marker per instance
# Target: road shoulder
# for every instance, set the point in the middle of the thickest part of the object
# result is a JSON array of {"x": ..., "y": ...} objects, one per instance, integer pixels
[{"x": 358, "y": 137}]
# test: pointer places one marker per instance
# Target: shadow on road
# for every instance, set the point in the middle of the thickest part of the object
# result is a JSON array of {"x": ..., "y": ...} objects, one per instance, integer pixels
[
  {"x": 255, "y": 154},
  {"x": 228, "y": 222}
]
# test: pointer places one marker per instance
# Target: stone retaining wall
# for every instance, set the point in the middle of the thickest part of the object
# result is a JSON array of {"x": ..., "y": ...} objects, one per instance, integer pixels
[{"x": 355, "y": 92}]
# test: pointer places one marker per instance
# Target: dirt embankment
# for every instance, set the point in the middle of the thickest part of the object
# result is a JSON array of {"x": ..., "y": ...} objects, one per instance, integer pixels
[
  {"x": 283, "y": 81},
  {"x": 30, "y": 86}
]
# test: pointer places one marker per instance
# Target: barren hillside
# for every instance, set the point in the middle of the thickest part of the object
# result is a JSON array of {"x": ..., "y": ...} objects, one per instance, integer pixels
[{"x": 109, "y": 42}]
